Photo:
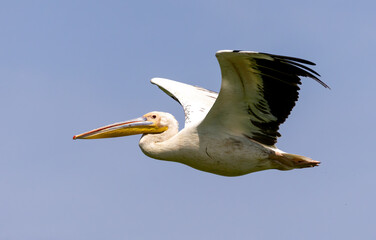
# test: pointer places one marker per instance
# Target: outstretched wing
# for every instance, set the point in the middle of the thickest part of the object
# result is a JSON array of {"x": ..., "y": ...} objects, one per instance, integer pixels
[
  {"x": 195, "y": 101},
  {"x": 257, "y": 94}
]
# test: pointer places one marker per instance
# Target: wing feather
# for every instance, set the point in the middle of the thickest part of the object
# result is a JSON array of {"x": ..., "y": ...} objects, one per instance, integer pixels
[
  {"x": 195, "y": 101},
  {"x": 257, "y": 94}
]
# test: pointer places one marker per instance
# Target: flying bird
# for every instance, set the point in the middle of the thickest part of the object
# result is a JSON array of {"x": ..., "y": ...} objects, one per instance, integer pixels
[{"x": 230, "y": 133}]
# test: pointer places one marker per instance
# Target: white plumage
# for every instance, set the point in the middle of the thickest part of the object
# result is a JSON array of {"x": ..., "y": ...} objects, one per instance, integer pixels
[{"x": 231, "y": 133}]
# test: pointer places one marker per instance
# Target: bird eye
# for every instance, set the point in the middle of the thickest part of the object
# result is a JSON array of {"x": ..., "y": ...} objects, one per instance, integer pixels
[{"x": 154, "y": 116}]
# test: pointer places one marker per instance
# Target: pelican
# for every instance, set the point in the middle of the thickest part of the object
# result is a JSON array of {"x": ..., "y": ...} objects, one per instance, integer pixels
[{"x": 231, "y": 133}]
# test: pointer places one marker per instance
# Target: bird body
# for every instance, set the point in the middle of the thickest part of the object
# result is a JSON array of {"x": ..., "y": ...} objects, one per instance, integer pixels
[
  {"x": 208, "y": 150},
  {"x": 231, "y": 133}
]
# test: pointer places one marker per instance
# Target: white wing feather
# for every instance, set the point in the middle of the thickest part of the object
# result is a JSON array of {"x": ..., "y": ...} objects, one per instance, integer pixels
[
  {"x": 195, "y": 101},
  {"x": 257, "y": 94}
]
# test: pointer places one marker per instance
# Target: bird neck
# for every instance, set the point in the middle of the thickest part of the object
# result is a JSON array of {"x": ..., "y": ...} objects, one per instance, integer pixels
[{"x": 157, "y": 145}]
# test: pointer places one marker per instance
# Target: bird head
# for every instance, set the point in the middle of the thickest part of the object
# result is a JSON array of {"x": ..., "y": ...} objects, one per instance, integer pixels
[{"x": 149, "y": 123}]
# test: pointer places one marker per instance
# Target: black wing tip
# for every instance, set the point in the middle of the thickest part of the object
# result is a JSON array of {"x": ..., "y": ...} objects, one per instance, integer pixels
[
  {"x": 322, "y": 83},
  {"x": 297, "y": 62},
  {"x": 291, "y": 61},
  {"x": 294, "y": 59}
]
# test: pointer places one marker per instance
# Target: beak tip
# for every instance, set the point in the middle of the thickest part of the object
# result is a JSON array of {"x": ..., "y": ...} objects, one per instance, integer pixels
[{"x": 74, "y": 137}]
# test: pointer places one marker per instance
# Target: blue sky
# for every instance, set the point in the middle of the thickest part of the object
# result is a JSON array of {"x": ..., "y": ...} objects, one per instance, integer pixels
[{"x": 70, "y": 66}]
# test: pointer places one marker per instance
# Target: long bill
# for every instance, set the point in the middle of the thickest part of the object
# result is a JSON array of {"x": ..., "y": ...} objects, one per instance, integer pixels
[{"x": 135, "y": 126}]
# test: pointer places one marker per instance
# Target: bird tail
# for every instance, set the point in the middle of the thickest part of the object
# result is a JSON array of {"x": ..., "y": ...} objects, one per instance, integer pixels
[{"x": 291, "y": 161}]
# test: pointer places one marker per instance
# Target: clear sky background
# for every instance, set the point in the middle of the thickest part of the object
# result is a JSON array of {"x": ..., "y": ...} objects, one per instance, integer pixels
[{"x": 70, "y": 66}]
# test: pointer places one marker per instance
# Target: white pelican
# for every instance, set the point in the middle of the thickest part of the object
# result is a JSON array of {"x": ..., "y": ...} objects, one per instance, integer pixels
[{"x": 231, "y": 133}]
